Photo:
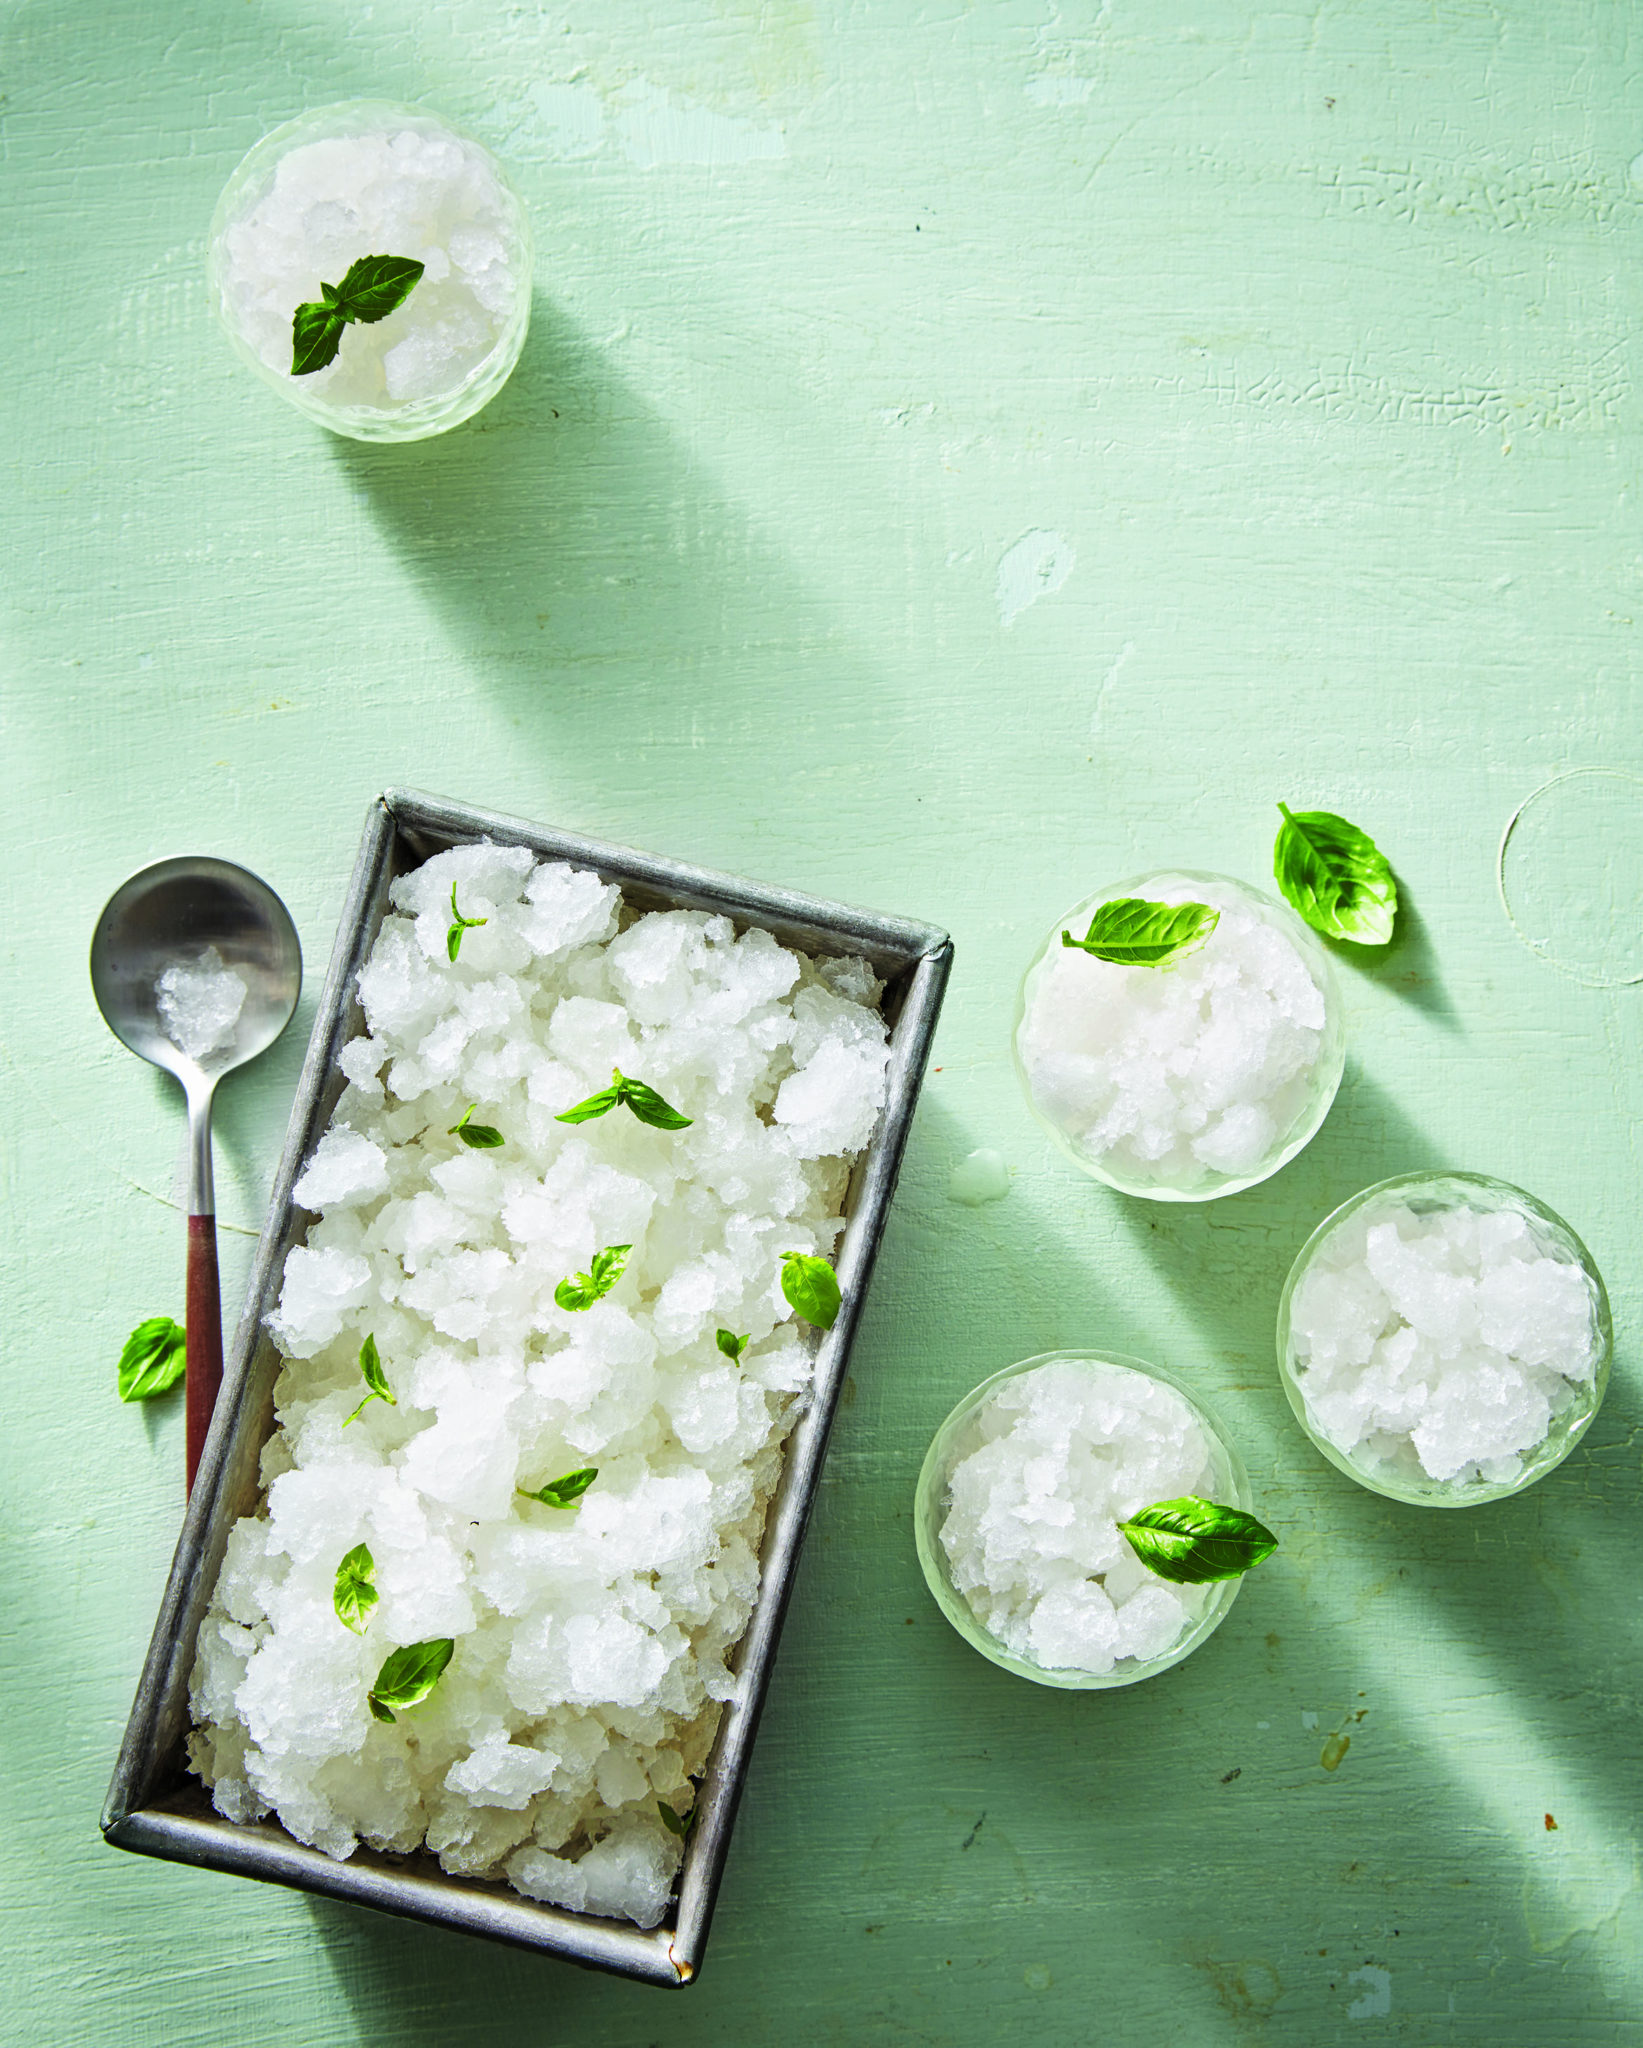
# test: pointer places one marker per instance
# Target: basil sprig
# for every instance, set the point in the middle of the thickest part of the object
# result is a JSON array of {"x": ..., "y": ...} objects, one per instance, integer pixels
[
  {"x": 1192, "y": 1541},
  {"x": 565, "y": 1491},
  {"x": 679, "y": 1824},
  {"x": 459, "y": 925},
  {"x": 638, "y": 1096},
  {"x": 582, "y": 1290},
  {"x": 153, "y": 1358},
  {"x": 408, "y": 1676},
  {"x": 376, "y": 1381},
  {"x": 811, "y": 1287},
  {"x": 731, "y": 1345},
  {"x": 355, "y": 1591},
  {"x": 1130, "y": 932},
  {"x": 482, "y": 1137},
  {"x": 371, "y": 289},
  {"x": 1335, "y": 876}
]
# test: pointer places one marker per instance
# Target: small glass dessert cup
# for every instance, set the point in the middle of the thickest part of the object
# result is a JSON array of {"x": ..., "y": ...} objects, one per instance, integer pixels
[
  {"x": 1220, "y": 1477},
  {"x": 370, "y": 178},
  {"x": 1496, "y": 1282},
  {"x": 1193, "y": 1079}
]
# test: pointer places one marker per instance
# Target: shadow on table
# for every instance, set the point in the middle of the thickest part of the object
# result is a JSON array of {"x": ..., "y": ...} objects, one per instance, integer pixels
[
  {"x": 1407, "y": 965},
  {"x": 575, "y": 547}
]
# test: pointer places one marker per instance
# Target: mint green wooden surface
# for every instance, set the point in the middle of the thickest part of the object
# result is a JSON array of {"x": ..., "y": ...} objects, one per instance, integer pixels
[{"x": 1284, "y": 358}]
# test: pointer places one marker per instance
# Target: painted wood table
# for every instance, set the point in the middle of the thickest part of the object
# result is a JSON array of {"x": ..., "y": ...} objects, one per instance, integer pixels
[{"x": 963, "y": 454}]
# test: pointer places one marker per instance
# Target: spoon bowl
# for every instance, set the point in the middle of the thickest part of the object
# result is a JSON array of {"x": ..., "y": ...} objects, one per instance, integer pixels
[{"x": 218, "y": 920}]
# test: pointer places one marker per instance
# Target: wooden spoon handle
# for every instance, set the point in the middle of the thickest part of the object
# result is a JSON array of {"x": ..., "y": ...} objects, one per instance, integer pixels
[{"x": 204, "y": 1335}]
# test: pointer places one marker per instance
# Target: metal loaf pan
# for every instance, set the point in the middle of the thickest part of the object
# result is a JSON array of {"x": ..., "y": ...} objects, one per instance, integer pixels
[{"x": 154, "y": 1805}]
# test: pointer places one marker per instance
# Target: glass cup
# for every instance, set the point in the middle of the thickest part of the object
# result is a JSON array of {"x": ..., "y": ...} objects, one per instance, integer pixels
[
  {"x": 1229, "y": 1483},
  {"x": 1303, "y": 1104},
  {"x": 265, "y": 344},
  {"x": 1403, "y": 1479}
]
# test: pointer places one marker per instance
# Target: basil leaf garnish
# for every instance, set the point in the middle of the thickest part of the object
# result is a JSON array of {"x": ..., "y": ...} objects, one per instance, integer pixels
[
  {"x": 811, "y": 1287},
  {"x": 639, "y": 1096},
  {"x": 153, "y": 1358},
  {"x": 676, "y": 1823},
  {"x": 483, "y": 1137},
  {"x": 566, "y": 1490},
  {"x": 370, "y": 1365},
  {"x": 1335, "y": 876},
  {"x": 459, "y": 925},
  {"x": 649, "y": 1107},
  {"x": 1131, "y": 932},
  {"x": 372, "y": 288},
  {"x": 731, "y": 1345},
  {"x": 582, "y": 1290},
  {"x": 1192, "y": 1541},
  {"x": 408, "y": 1676},
  {"x": 355, "y": 1592}
]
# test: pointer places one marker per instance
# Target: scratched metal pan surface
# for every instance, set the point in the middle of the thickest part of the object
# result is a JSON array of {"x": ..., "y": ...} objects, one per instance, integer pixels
[{"x": 154, "y": 1805}]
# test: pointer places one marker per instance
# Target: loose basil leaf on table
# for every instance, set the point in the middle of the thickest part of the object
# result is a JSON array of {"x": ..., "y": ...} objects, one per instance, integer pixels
[
  {"x": 355, "y": 1592},
  {"x": 811, "y": 1287},
  {"x": 408, "y": 1676},
  {"x": 1335, "y": 876},
  {"x": 154, "y": 1357},
  {"x": 1131, "y": 932},
  {"x": 1192, "y": 1541}
]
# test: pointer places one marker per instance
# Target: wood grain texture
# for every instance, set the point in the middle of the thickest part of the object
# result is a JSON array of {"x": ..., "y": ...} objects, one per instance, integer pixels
[{"x": 1299, "y": 344}]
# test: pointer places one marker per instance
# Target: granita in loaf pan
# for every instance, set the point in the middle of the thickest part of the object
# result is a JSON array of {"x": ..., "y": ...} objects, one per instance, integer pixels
[{"x": 479, "y": 1587}]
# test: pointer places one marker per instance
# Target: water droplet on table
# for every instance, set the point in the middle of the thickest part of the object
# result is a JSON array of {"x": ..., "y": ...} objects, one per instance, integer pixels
[{"x": 982, "y": 1177}]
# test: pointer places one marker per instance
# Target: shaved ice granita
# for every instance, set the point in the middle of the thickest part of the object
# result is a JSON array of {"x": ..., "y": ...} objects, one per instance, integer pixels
[
  {"x": 1019, "y": 1507},
  {"x": 542, "y": 1356},
  {"x": 1180, "y": 1035},
  {"x": 1444, "y": 1339},
  {"x": 364, "y": 182}
]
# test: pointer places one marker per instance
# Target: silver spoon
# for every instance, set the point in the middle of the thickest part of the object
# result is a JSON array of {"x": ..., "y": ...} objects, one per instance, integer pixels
[{"x": 203, "y": 920}]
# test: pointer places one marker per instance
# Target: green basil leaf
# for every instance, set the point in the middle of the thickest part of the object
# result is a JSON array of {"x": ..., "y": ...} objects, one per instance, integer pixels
[
  {"x": 370, "y": 1365},
  {"x": 566, "y": 1490},
  {"x": 153, "y": 1358},
  {"x": 675, "y": 1823},
  {"x": 483, "y": 1137},
  {"x": 1335, "y": 876},
  {"x": 316, "y": 335},
  {"x": 582, "y": 1290},
  {"x": 355, "y": 1592},
  {"x": 1192, "y": 1541},
  {"x": 648, "y": 1106},
  {"x": 731, "y": 1345},
  {"x": 811, "y": 1287},
  {"x": 596, "y": 1105},
  {"x": 460, "y": 924},
  {"x": 375, "y": 285},
  {"x": 1133, "y": 933},
  {"x": 408, "y": 1676}
]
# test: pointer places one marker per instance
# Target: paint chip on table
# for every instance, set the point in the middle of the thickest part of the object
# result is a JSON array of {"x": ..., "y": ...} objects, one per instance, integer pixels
[{"x": 1037, "y": 566}]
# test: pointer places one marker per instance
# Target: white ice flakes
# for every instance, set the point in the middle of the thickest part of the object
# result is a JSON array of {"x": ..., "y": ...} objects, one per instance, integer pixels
[
  {"x": 591, "y": 1643},
  {"x": 1182, "y": 1075},
  {"x": 1441, "y": 1344},
  {"x": 1045, "y": 1469}
]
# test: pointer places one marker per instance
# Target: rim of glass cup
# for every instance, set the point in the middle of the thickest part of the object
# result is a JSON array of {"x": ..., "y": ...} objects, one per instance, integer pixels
[
  {"x": 1331, "y": 1066},
  {"x": 1554, "y": 1448},
  {"x": 928, "y": 1510},
  {"x": 422, "y": 417}
]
